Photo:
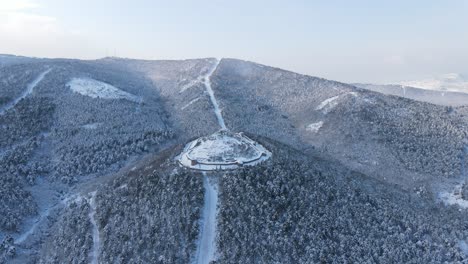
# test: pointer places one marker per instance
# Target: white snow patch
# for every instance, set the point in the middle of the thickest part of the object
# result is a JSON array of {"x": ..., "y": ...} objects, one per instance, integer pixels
[
  {"x": 206, "y": 246},
  {"x": 454, "y": 197},
  {"x": 122, "y": 186},
  {"x": 330, "y": 103},
  {"x": 97, "y": 89},
  {"x": 91, "y": 126},
  {"x": 28, "y": 91},
  {"x": 314, "y": 127},
  {"x": 222, "y": 150},
  {"x": 190, "y": 103}
]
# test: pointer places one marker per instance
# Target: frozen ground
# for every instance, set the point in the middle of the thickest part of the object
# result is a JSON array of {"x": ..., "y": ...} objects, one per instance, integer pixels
[
  {"x": 97, "y": 89},
  {"x": 222, "y": 150},
  {"x": 28, "y": 91},
  {"x": 206, "y": 246}
]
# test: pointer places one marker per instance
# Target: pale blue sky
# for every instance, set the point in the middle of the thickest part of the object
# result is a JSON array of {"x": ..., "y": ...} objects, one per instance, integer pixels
[{"x": 352, "y": 41}]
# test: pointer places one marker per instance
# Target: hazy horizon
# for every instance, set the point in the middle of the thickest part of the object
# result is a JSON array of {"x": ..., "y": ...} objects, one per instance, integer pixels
[{"x": 359, "y": 41}]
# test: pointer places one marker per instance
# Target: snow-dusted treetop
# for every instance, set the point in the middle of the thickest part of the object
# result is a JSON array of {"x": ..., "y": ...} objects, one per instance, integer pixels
[
  {"x": 96, "y": 89},
  {"x": 222, "y": 150}
]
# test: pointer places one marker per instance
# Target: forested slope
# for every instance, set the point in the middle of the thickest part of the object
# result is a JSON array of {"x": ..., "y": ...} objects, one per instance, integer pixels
[{"x": 310, "y": 210}]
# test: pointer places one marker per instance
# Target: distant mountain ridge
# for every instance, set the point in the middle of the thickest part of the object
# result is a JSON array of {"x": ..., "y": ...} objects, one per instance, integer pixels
[
  {"x": 446, "y": 98},
  {"x": 451, "y": 82}
]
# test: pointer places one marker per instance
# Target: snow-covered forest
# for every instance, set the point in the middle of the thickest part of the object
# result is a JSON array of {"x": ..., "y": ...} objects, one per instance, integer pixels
[{"x": 89, "y": 174}]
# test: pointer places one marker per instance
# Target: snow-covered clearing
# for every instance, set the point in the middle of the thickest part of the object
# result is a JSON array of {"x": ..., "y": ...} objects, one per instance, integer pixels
[
  {"x": 314, "y": 127},
  {"x": 207, "y": 82},
  {"x": 330, "y": 103},
  {"x": 28, "y": 91},
  {"x": 190, "y": 103},
  {"x": 206, "y": 246},
  {"x": 94, "y": 254},
  {"x": 97, "y": 89}
]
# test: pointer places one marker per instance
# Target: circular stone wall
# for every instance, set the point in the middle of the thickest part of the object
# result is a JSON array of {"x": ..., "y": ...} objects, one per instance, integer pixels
[{"x": 222, "y": 150}]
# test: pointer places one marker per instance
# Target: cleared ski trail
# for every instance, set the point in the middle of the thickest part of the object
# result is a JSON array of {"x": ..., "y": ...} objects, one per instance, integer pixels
[
  {"x": 32, "y": 229},
  {"x": 94, "y": 254},
  {"x": 28, "y": 91},
  {"x": 207, "y": 82},
  {"x": 463, "y": 168},
  {"x": 206, "y": 246}
]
